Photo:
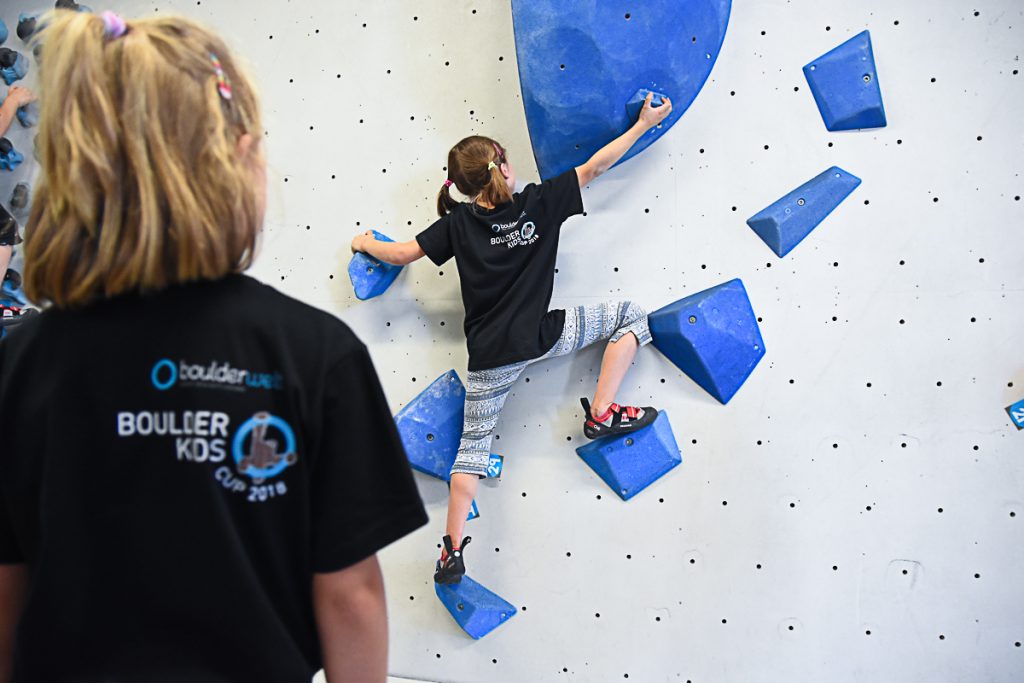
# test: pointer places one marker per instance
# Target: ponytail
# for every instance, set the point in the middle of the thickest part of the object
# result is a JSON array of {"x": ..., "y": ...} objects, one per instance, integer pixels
[{"x": 474, "y": 167}]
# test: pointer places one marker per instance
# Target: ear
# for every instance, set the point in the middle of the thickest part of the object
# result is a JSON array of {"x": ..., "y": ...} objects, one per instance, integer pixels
[
  {"x": 245, "y": 146},
  {"x": 505, "y": 170}
]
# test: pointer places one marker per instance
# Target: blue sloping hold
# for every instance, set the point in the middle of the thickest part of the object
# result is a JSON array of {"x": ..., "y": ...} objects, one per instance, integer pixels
[
  {"x": 371, "y": 277},
  {"x": 28, "y": 115},
  {"x": 632, "y": 462},
  {"x": 786, "y": 222},
  {"x": 635, "y": 103},
  {"x": 10, "y": 158},
  {"x": 844, "y": 83},
  {"x": 580, "y": 61},
  {"x": 712, "y": 336},
  {"x": 431, "y": 426},
  {"x": 13, "y": 65},
  {"x": 3, "y": 32},
  {"x": 477, "y": 610},
  {"x": 26, "y": 26}
]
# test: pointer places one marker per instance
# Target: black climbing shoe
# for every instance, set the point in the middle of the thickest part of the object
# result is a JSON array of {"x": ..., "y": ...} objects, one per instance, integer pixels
[
  {"x": 618, "y": 420},
  {"x": 14, "y": 315},
  {"x": 451, "y": 568}
]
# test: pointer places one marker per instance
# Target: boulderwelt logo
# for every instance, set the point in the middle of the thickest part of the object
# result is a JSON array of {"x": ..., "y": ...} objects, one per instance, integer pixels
[{"x": 215, "y": 375}]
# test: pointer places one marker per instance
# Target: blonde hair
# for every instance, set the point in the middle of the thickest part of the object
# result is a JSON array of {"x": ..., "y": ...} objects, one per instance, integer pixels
[
  {"x": 474, "y": 167},
  {"x": 142, "y": 186}
]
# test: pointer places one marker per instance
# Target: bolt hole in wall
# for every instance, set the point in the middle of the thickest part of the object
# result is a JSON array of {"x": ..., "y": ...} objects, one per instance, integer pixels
[{"x": 868, "y": 384}]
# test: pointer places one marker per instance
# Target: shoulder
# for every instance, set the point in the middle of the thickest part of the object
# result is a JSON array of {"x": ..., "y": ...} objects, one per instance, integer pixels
[{"x": 298, "y": 318}]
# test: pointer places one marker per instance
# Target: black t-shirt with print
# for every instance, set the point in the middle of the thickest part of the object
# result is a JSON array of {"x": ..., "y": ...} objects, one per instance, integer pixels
[
  {"x": 506, "y": 261},
  {"x": 175, "y": 467}
]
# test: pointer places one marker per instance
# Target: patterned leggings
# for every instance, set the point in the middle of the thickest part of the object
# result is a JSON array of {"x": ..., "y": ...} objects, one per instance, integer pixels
[{"x": 486, "y": 390}]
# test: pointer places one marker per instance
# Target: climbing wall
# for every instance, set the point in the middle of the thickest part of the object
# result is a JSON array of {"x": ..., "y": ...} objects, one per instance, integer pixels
[{"x": 856, "y": 511}]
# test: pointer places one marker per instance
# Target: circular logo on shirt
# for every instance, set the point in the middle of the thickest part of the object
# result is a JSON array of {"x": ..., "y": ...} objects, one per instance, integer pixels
[
  {"x": 495, "y": 228},
  {"x": 528, "y": 230},
  {"x": 266, "y": 457},
  {"x": 166, "y": 369}
]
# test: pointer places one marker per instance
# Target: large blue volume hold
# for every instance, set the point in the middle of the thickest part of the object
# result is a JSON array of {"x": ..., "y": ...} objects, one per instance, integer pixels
[
  {"x": 580, "y": 61},
  {"x": 431, "y": 426},
  {"x": 477, "y": 610},
  {"x": 783, "y": 224},
  {"x": 632, "y": 462},
  {"x": 712, "y": 336},
  {"x": 844, "y": 83},
  {"x": 370, "y": 276}
]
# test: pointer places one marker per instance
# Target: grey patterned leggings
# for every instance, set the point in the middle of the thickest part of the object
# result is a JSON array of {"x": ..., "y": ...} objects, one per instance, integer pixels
[{"x": 486, "y": 390}]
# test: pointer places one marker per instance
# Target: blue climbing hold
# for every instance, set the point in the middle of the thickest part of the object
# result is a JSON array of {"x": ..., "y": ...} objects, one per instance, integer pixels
[
  {"x": 370, "y": 276},
  {"x": 477, "y": 610},
  {"x": 10, "y": 158},
  {"x": 3, "y": 32},
  {"x": 787, "y": 221},
  {"x": 1016, "y": 412},
  {"x": 712, "y": 336},
  {"x": 579, "y": 61},
  {"x": 636, "y": 103},
  {"x": 632, "y": 462},
  {"x": 28, "y": 115},
  {"x": 844, "y": 83},
  {"x": 13, "y": 65},
  {"x": 431, "y": 426},
  {"x": 474, "y": 512},
  {"x": 26, "y": 26}
]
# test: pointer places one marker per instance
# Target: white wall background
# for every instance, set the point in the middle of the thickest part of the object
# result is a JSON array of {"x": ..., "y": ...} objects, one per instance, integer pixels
[{"x": 855, "y": 513}]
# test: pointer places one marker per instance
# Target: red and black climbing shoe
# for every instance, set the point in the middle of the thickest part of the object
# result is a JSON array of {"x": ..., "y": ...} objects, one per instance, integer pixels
[
  {"x": 14, "y": 315},
  {"x": 616, "y": 420},
  {"x": 451, "y": 567}
]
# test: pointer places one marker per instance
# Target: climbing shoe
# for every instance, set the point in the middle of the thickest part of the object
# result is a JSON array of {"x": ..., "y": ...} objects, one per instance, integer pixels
[
  {"x": 616, "y": 420},
  {"x": 14, "y": 315},
  {"x": 451, "y": 567}
]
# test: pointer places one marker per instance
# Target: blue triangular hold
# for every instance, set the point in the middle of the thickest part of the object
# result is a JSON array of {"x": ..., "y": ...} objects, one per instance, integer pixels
[
  {"x": 712, "y": 336},
  {"x": 783, "y": 224},
  {"x": 635, "y": 103},
  {"x": 477, "y": 610},
  {"x": 844, "y": 83},
  {"x": 632, "y": 462},
  {"x": 370, "y": 276},
  {"x": 431, "y": 426}
]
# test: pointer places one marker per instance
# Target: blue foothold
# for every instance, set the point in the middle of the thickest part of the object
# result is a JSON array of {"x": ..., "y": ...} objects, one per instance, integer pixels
[
  {"x": 431, "y": 426},
  {"x": 844, "y": 83},
  {"x": 3, "y": 32},
  {"x": 370, "y": 276},
  {"x": 632, "y": 462},
  {"x": 28, "y": 115},
  {"x": 477, "y": 610},
  {"x": 13, "y": 65},
  {"x": 786, "y": 222},
  {"x": 712, "y": 336},
  {"x": 636, "y": 103}
]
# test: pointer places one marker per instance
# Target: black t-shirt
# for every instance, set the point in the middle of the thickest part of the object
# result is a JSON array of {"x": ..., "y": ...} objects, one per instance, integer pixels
[
  {"x": 506, "y": 262},
  {"x": 175, "y": 467}
]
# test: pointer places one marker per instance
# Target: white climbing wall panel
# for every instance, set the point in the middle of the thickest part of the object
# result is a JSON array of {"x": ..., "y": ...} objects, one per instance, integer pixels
[{"x": 856, "y": 513}]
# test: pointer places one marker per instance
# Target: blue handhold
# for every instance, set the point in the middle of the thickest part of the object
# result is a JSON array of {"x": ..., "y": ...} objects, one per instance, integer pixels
[
  {"x": 13, "y": 65},
  {"x": 28, "y": 115},
  {"x": 11, "y": 160},
  {"x": 632, "y": 462},
  {"x": 371, "y": 277},
  {"x": 783, "y": 224},
  {"x": 636, "y": 103},
  {"x": 431, "y": 426},
  {"x": 3, "y": 32},
  {"x": 712, "y": 336},
  {"x": 26, "y": 26},
  {"x": 1016, "y": 412},
  {"x": 477, "y": 610},
  {"x": 844, "y": 83},
  {"x": 579, "y": 61},
  {"x": 474, "y": 512}
]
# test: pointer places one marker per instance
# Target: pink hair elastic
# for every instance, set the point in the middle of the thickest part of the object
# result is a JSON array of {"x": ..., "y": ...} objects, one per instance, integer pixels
[
  {"x": 447, "y": 183},
  {"x": 114, "y": 25}
]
